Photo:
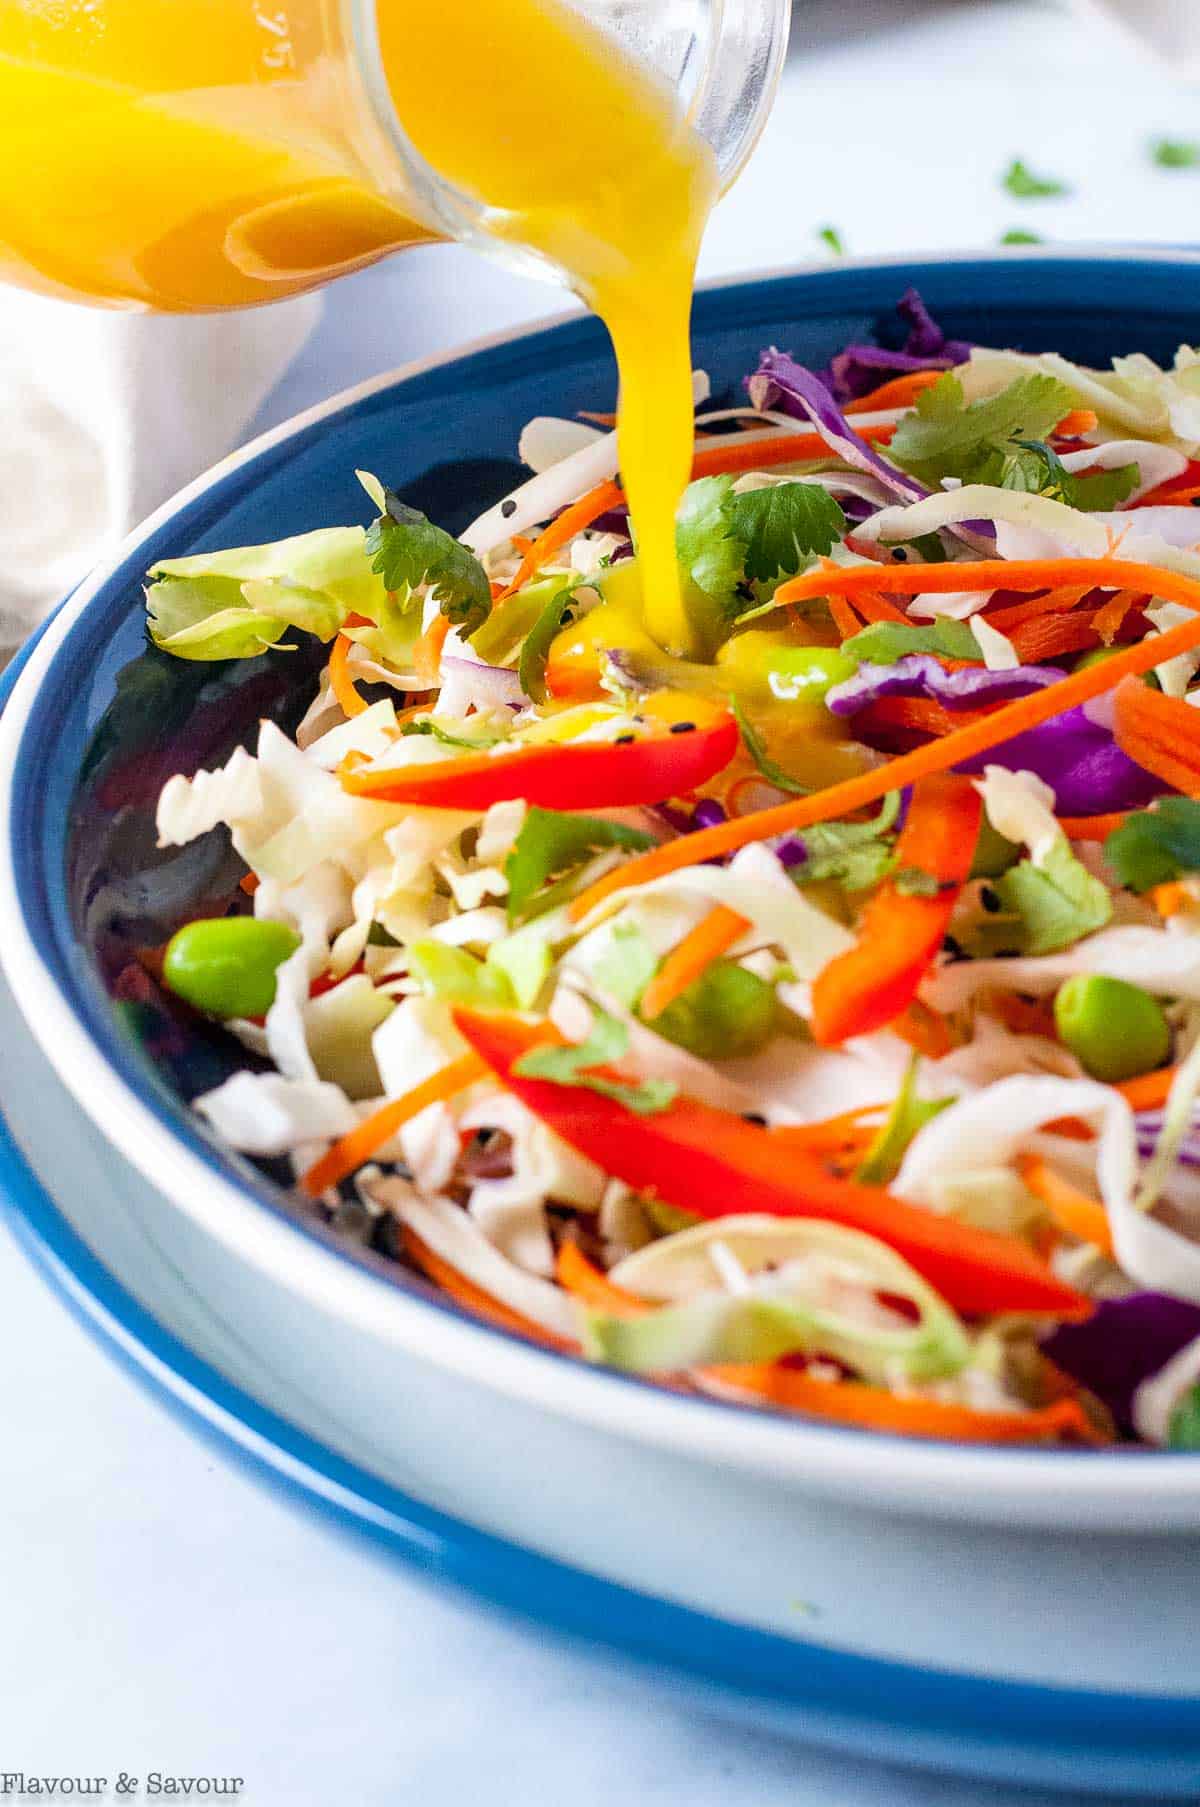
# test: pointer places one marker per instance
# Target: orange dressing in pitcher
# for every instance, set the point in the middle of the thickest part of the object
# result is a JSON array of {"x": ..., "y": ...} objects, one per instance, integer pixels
[{"x": 218, "y": 171}]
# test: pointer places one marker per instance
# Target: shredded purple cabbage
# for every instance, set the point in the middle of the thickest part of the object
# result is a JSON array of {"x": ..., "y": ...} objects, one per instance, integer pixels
[
  {"x": 779, "y": 382},
  {"x": 1074, "y": 754},
  {"x": 921, "y": 675},
  {"x": 858, "y": 369},
  {"x": 1122, "y": 1344},
  {"x": 1149, "y": 1127},
  {"x": 1081, "y": 762}
]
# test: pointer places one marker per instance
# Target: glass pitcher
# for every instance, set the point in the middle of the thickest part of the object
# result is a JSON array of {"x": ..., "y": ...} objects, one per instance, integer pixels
[{"x": 193, "y": 154}]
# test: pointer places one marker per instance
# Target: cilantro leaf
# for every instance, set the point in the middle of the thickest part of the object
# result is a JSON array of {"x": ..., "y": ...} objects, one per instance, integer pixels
[
  {"x": 1176, "y": 153},
  {"x": 756, "y": 746},
  {"x": 945, "y": 433},
  {"x": 406, "y": 550},
  {"x": 783, "y": 526},
  {"x": 1099, "y": 492},
  {"x": 708, "y": 547},
  {"x": 885, "y": 642},
  {"x": 538, "y": 641},
  {"x": 1021, "y": 183},
  {"x": 1183, "y": 1431},
  {"x": 1017, "y": 235},
  {"x": 851, "y": 854},
  {"x": 573, "y": 1065},
  {"x": 1033, "y": 468},
  {"x": 1055, "y": 904},
  {"x": 1152, "y": 847},
  {"x": 552, "y": 842},
  {"x": 831, "y": 238}
]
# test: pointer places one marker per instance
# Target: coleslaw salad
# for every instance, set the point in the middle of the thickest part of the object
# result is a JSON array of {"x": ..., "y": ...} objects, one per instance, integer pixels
[{"x": 832, "y": 876}]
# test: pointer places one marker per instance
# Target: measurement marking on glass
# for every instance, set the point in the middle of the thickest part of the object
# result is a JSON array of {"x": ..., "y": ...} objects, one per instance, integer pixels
[{"x": 278, "y": 54}]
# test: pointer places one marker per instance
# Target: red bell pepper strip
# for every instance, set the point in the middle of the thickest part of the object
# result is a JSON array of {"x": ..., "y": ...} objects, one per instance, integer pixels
[
  {"x": 715, "y": 1164},
  {"x": 900, "y": 933},
  {"x": 596, "y": 775}
]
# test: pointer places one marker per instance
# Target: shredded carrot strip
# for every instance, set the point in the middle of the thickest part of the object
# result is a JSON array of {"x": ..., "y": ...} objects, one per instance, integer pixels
[
  {"x": 694, "y": 955},
  {"x": 964, "y": 743},
  {"x": 564, "y": 527},
  {"x": 1148, "y": 1092},
  {"x": 915, "y": 714},
  {"x": 1092, "y": 828},
  {"x": 1079, "y": 420},
  {"x": 1023, "y": 1016},
  {"x": 523, "y": 543},
  {"x": 340, "y": 681},
  {"x": 1070, "y": 1209},
  {"x": 851, "y": 1131},
  {"x": 871, "y": 1408},
  {"x": 1052, "y": 636},
  {"x": 1053, "y": 602},
  {"x": 900, "y": 392},
  {"x": 1171, "y": 899},
  {"x": 473, "y": 1297},
  {"x": 874, "y": 607},
  {"x": 249, "y": 883},
  {"x": 926, "y": 1030},
  {"x": 1161, "y": 733},
  {"x": 583, "y": 1281},
  {"x": 427, "y": 653},
  {"x": 844, "y": 618},
  {"x": 761, "y": 454},
  {"x": 348, "y": 1155},
  {"x": 1109, "y": 620}
]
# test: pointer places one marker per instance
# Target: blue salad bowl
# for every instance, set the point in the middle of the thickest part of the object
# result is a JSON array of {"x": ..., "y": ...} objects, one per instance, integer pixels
[{"x": 1020, "y": 1613}]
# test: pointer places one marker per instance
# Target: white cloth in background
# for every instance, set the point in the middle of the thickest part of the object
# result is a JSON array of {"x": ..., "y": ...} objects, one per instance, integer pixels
[
  {"x": 1169, "y": 27},
  {"x": 104, "y": 416}
]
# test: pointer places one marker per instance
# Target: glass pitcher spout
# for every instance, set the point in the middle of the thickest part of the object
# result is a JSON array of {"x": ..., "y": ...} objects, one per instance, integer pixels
[{"x": 195, "y": 154}]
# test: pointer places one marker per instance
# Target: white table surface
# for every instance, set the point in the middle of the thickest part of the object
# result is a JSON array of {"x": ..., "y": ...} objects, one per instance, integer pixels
[{"x": 159, "y": 1610}]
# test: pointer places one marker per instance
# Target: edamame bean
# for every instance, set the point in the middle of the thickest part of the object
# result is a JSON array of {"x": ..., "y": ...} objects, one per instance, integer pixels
[
  {"x": 1100, "y": 655},
  {"x": 226, "y": 967},
  {"x": 1114, "y": 1030},
  {"x": 762, "y": 662},
  {"x": 727, "y": 1011}
]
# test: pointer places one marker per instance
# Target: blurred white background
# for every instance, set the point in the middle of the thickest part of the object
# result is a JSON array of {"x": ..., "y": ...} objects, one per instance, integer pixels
[{"x": 158, "y": 1609}]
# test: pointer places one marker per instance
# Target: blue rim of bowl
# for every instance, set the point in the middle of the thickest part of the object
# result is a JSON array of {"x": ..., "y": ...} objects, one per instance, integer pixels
[{"x": 49, "y": 928}]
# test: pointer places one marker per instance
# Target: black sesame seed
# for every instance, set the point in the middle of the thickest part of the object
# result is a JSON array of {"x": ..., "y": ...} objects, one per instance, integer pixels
[
  {"x": 755, "y": 1117},
  {"x": 508, "y": 508},
  {"x": 899, "y": 555},
  {"x": 952, "y": 947},
  {"x": 624, "y": 740},
  {"x": 683, "y": 727},
  {"x": 990, "y": 900}
]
